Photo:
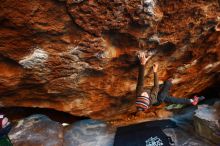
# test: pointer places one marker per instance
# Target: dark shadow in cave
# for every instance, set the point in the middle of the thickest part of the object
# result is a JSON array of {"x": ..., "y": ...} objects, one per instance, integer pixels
[
  {"x": 9, "y": 61},
  {"x": 125, "y": 45},
  {"x": 187, "y": 57},
  {"x": 211, "y": 93},
  {"x": 127, "y": 62},
  {"x": 18, "y": 113},
  {"x": 138, "y": 27},
  {"x": 93, "y": 72},
  {"x": 120, "y": 40},
  {"x": 167, "y": 48}
]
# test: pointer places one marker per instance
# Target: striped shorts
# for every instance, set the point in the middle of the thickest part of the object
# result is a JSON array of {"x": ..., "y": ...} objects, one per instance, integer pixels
[{"x": 142, "y": 103}]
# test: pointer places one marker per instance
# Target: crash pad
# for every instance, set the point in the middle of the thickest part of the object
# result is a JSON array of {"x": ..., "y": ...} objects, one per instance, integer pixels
[{"x": 144, "y": 134}]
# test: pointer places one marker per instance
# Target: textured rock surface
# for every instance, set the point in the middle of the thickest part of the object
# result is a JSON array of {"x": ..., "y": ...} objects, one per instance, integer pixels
[
  {"x": 89, "y": 133},
  {"x": 37, "y": 130},
  {"x": 185, "y": 133},
  {"x": 207, "y": 122},
  {"x": 96, "y": 133},
  {"x": 79, "y": 56},
  {"x": 181, "y": 138}
]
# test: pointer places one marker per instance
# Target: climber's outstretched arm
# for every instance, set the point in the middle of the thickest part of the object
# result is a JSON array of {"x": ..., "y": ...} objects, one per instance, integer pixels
[
  {"x": 155, "y": 88},
  {"x": 140, "y": 82}
]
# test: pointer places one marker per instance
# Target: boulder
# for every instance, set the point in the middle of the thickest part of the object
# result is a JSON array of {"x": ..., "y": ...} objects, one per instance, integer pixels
[
  {"x": 37, "y": 130},
  {"x": 89, "y": 133},
  {"x": 181, "y": 137},
  {"x": 207, "y": 122}
]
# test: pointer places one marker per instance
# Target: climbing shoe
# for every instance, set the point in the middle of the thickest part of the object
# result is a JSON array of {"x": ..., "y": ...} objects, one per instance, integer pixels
[{"x": 197, "y": 99}]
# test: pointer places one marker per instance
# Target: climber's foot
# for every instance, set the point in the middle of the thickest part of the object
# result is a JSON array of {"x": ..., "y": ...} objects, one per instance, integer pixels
[{"x": 197, "y": 99}]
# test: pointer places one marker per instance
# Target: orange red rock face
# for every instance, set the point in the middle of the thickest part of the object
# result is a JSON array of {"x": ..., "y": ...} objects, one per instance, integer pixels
[{"x": 80, "y": 57}]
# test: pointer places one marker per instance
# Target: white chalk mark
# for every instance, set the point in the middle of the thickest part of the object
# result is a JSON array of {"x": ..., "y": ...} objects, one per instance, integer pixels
[{"x": 38, "y": 57}]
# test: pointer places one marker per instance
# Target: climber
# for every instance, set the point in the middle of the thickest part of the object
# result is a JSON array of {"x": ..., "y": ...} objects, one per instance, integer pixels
[{"x": 148, "y": 97}]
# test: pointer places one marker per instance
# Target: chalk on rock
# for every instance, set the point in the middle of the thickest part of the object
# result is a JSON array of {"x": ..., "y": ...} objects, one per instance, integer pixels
[
  {"x": 77, "y": 1},
  {"x": 149, "y": 6},
  {"x": 151, "y": 52},
  {"x": 37, "y": 58},
  {"x": 154, "y": 38}
]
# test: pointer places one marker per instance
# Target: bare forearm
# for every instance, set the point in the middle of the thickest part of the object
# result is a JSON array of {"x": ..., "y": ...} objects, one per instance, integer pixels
[
  {"x": 155, "y": 88},
  {"x": 156, "y": 84},
  {"x": 140, "y": 81}
]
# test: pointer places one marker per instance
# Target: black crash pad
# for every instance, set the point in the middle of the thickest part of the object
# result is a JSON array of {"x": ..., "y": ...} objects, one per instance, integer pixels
[{"x": 144, "y": 134}]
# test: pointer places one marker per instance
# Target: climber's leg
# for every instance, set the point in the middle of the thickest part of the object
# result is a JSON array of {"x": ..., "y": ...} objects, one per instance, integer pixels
[
  {"x": 164, "y": 91},
  {"x": 175, "y": 100}
]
